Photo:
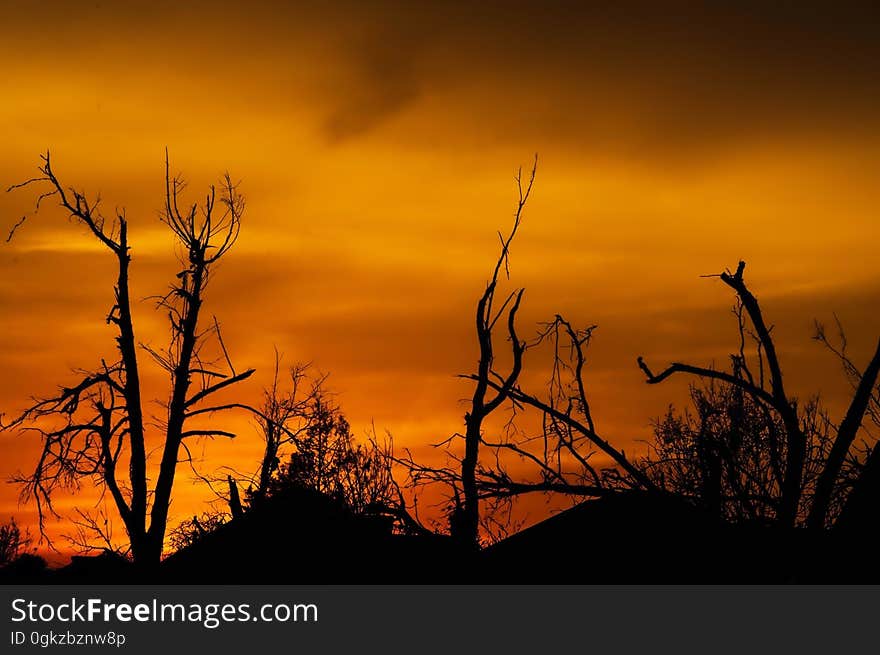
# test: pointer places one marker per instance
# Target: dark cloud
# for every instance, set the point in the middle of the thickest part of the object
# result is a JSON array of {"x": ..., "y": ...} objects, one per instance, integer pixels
[
  {"x": 382, "y": 82},
  {"x": 633, "y": 78}
]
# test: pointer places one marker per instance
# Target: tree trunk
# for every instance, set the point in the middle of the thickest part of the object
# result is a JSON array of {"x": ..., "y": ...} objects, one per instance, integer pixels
[
  {"x": 176, "y": 412},
  {"x": 136, "y": 524},
  {"x": 467, "y": 523}
]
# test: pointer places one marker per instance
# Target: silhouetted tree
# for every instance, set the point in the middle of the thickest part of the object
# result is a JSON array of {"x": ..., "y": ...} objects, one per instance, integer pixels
[
  {"x": 798, "y": 459},
  {"x": 325, "y": 457},
  {"x": 857, "y": 464},
  {"x": 465, "y": 513},
  {"x": 725, "y": 455},
  {"x": 559, "y": 453},
  {"x": 13, "y": 542},
  {"x": 557, "y": 456},
  {"x": 285, "y": 416},
  {"x": 465, "y": 522},
  {"x": 309, "y": 444},
  {"x": 99, "y": 423}
]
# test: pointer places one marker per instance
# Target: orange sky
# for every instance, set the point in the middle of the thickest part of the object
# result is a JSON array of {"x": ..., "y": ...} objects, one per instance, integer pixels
[{"x": 376, "y": 144}]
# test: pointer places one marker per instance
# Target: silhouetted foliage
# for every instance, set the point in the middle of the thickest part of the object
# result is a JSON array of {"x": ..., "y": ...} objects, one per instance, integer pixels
[
  {"x": 285, "y": 416},
  {"x": 309, "y": 445},
  {"x": 327, "y": 458},
  {"x": 95, "y": 429},
  {"x": 13, "y": 542},
  {"x": 725, "y": 455},
  {"x": 191, "y": 531},
  {"x": 754, "y": 443}
]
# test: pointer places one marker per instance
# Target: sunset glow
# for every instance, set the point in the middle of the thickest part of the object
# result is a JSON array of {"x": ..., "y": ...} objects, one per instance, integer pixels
[{"x": 377, "y": 144}]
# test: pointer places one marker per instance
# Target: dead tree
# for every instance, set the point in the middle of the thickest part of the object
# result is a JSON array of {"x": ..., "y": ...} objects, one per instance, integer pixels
[
  {"x": 800, "y": 500},
  {"x": 98, "y": 424},
  {"x": 558, "y": 455},
  {"x": 864, "y": 473},
  {"x": 466, "y": 521},
  {"x": 488, "y": 395}
]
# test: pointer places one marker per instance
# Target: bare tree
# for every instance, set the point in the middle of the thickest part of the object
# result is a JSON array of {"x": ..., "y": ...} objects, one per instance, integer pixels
[
  {"x": 462, "y": 479},
  {"x": 806, "y": 462},
  {"x": 95, "y": 427},
  {"x": 558, "y": 456},
  {"x": 568, "y": 437},
  {"x": 857, "y": 466}
]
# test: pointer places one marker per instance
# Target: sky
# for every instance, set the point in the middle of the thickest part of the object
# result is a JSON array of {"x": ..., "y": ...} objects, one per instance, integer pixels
[{"x": 377, "y": 144}]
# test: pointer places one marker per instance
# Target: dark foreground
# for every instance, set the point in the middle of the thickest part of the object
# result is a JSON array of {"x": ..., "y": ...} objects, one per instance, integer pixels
[{"x": 627, "y": 539}]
